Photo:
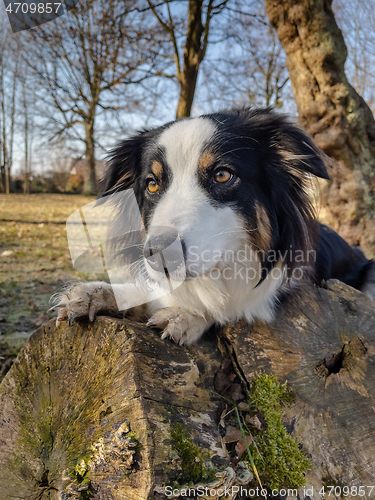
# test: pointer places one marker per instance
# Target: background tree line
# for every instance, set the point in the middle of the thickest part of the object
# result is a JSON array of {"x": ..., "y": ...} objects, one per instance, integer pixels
[{"x": 71, "y": 88}]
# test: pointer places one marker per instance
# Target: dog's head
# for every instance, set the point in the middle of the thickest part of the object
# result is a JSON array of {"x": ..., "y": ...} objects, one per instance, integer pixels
[{"x": 221, "y": 180}]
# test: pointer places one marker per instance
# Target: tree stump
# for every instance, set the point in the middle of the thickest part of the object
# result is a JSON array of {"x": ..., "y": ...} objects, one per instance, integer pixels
[{"x": 89, "y": 411}]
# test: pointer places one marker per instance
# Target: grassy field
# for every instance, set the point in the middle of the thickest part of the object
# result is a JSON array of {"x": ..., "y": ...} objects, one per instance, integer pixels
[{"x": 34, "y": 263}]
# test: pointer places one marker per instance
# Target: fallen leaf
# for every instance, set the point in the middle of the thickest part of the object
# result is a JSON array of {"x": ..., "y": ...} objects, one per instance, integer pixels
[
  {"x": 235, "y": 392},
  {"x": 221, "y": 382},
  {"x": 222, "y": 417},
  {"x": 241, "y": 446},
  {"x": 243, "y": 406},
  {"x": 232, "y": 434},
  {"x": 254, "y": 421}
]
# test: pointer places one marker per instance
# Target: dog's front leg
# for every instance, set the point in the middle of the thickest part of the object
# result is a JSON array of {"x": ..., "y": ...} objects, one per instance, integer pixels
[
  {"x": 179, "y": 325},
  {"x": 87, "y": 299}
]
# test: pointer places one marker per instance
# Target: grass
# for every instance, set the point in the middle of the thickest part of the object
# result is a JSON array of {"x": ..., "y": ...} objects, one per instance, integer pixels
[{"x": 34, "y": 263}]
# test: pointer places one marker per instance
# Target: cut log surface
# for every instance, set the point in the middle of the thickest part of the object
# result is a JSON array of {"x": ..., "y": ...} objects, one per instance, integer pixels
[
  {"x": 87, "y": 411},
  {"x": 75, "y": 393}
]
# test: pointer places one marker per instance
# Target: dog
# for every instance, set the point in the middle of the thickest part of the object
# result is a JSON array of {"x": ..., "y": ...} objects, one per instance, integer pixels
[{"x": 229, "y": 182}]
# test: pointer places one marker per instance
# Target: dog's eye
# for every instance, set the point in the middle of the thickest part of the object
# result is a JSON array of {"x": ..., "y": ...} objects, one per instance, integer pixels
[
  {"x": 222, "y": 176},
  {"x": 152, "y": 186}
]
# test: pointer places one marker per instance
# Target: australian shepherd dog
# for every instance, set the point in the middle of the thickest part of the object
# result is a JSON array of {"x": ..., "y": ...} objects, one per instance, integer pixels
[{"x": 228, "y": 195}]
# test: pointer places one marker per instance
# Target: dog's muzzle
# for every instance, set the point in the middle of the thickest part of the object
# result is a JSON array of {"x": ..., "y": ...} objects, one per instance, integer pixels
[{"x": 164, "y": 250}]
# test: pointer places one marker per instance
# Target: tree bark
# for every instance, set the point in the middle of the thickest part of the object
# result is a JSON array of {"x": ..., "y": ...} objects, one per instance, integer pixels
[
  {"x": 334, "y": 114},
  {"x": 88, "y": 411},
  {"x": 26, "y": 185},
  {"x": 89, "y": 183},
  {"x": 3, "y": 129},
  {"x": 9, "y": 164}
]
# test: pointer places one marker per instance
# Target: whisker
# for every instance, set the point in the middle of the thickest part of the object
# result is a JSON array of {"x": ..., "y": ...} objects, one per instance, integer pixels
[{"x": 232, "y": 151}]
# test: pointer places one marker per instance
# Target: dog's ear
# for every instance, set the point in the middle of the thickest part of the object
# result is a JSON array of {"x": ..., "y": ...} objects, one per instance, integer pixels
[
  {"x": 123, "y": 163},
  {"x": 299, "y": 153}
]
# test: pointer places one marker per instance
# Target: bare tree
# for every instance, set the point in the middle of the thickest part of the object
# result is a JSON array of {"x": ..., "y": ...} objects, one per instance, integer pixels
[
  {"x": 249, "y": 67},
  {"x": 195, "y": 33},
  {"x": 85, "y": 62},
  {"x": 27, "y": 122},
  {"x": 9, "y": 82},
  {"x": 331, "y": 111}
]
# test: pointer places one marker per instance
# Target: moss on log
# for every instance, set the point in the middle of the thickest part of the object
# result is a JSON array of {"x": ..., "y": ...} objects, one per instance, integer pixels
[
  {"x": 90, "y": 411},
  {"x": 101, "y": 397}
]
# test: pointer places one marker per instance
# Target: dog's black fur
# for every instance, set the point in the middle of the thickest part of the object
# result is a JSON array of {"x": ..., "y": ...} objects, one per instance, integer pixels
[
  {"x": 275, "y": 180},
  {"x": 336, "y": 259}
]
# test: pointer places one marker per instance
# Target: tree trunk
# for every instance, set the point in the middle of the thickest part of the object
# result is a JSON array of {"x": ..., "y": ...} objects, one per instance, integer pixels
[
  {"x": 9, "y": 165},
  {"x": 26, "y": 185},
  {"x": 91, "y": 411},
  {"x": 3, "y": 158},
  {"x": 330, "y": 109},
  {"x": 7, "y": 179},
  {"x": 89, "y": 185},
  {"x": 3, "y": 141},
  {"x": 193, "y": 55}
]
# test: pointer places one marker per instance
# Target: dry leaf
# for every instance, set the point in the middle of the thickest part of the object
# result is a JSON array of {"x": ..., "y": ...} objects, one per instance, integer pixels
[
  {"x": 235, "y": 392},
  {"x": 222, "y": 417},
  {"x": 243, "y": 406},
  {"x": 241, "y": 446},
  {"x": 254, "y": 421},
  {"x": 232, "y": 434}
]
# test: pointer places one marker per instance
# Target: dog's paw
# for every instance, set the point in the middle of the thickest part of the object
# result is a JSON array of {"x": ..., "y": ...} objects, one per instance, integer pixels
[
  {"x": 83, "y": 299},
  {"x": 178, "y": 325}
]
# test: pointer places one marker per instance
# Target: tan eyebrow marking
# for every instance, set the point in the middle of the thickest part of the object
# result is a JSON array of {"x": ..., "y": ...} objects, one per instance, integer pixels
[
  {"x": 157, "y": 168},
  {"x": 207, "y": 160}
]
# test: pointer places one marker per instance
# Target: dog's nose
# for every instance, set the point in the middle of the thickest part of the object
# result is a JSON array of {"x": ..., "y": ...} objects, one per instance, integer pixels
[{"x": 164, "y": 250}]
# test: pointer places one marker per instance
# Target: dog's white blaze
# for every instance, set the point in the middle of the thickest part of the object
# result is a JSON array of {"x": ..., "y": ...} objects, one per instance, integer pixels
[
  {"x": 184, "y": 142},
  {"x": 206, "y": 230}
]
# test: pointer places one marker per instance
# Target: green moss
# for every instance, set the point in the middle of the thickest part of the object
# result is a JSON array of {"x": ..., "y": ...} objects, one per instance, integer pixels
[
  {"x": 80, "y": 474},
  {"x": 194, "y": 460},
  {"x": 279, "y": 461},
  {"x": 133, "y": 437}
]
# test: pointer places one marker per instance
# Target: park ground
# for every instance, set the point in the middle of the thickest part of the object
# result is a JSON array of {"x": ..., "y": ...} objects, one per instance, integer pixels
[{"x": 34, "y": 263}]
